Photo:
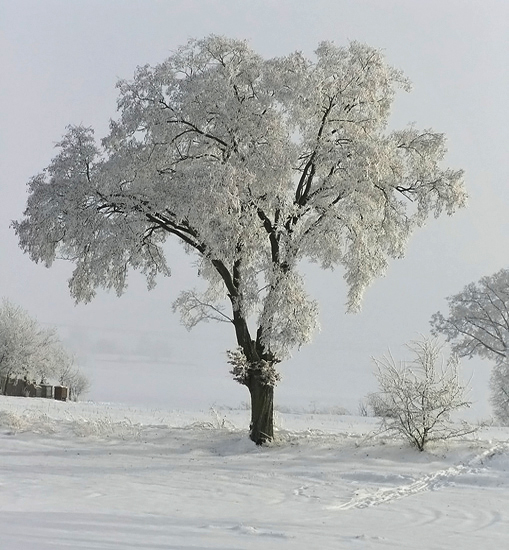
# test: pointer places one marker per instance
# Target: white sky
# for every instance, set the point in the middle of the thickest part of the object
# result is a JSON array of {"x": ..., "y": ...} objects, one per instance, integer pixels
[{"x": 59, "y": 62}]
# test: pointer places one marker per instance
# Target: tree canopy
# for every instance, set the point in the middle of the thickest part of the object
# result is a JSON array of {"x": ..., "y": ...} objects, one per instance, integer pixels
[{"x": 254, "y": 165}]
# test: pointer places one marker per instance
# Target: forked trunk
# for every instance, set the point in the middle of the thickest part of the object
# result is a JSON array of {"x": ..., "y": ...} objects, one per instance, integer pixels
[
  {"x": 262, "y": 411},
  {"x": 255, "y": 369}
]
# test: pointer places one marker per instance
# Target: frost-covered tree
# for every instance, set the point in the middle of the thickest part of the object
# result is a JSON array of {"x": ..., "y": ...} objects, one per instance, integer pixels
[
  {"x": 27, "y": 351},
  {"x": 478, "y": 318},
  {"x": 416, "y": 398},
  {"x": 478, "y": 325},
  {"x": 499, "y": 386},
  {"x": 254, "y": 165},
  {"x": 35, "y": 354}
]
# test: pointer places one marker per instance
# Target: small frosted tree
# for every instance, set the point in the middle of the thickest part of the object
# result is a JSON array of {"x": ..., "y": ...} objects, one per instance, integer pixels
[
  {"x": 478, "y": 325},
  {"x": 416, "y": 398},
  {"x": 255, "y": 165}
]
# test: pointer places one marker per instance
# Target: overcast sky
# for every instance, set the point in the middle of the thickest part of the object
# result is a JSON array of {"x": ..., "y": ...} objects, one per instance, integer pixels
[{"x": 59, "y": 62}]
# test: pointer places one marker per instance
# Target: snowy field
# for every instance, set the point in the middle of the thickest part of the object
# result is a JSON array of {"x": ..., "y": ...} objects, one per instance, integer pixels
[{"x": 100, "y": 476}]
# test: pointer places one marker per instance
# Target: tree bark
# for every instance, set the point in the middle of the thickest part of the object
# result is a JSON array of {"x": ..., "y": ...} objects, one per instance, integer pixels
[{"x": 262, "y": 410}]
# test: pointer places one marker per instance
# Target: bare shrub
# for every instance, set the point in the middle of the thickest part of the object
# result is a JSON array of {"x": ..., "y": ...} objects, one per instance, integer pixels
[
  {"x": 416, "y": 398},
  {"x": 73, "y": 378}
]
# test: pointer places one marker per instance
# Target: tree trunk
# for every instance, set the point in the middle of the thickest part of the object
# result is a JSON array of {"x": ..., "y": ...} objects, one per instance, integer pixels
[
  {"x": 6, "y": 382},
  {"x": 256, "y": 379},
  {"x": 262, "y": 411}
]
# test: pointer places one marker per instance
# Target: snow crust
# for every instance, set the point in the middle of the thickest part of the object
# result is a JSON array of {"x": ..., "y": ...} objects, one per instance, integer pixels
[{"x": 107, "y": 476}]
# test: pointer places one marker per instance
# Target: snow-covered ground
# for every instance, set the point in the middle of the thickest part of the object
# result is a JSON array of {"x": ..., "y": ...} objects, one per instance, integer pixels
[{"x": 100, "y": 476}]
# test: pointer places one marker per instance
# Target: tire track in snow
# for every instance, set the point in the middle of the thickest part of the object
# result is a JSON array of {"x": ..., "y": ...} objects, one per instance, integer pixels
[{"x": 428, "y": 482}]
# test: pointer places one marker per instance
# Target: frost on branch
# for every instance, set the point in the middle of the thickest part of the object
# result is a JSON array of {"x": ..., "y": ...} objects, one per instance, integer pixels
[
  {"x": 195, "y": 307},
  {"x": 289, "y": 318},
  {"x": 242, "y": 369},
  {"x": 416, "y": 398}
]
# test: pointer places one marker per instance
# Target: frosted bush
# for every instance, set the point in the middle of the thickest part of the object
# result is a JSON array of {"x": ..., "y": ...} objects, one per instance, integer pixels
[
  {"x": 416, "y": 398},
  {"x": 27, "y": 421},
  {"x": 105, "y": 427}
]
